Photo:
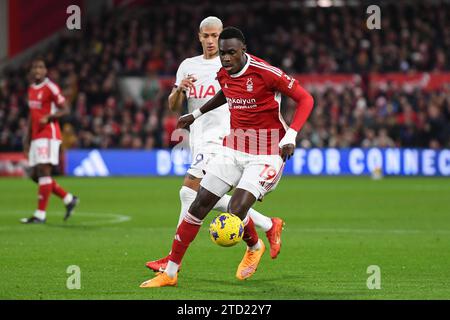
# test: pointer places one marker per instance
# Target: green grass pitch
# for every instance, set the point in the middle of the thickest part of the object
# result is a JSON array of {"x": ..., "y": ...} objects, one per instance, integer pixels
[{"x": 335, "y": 229}]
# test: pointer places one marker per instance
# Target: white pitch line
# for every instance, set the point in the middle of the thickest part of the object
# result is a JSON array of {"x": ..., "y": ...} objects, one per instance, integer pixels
[{"x": 113, "y": 218}]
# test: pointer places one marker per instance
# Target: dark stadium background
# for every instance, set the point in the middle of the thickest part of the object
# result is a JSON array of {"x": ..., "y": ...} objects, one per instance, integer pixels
[
  {"x": 377, "y": 97},
  {"x": 382, "y": 106}
]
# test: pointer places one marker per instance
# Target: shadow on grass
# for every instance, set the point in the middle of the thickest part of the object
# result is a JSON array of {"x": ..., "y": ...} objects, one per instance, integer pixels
[{"x": 273, "y": 288}]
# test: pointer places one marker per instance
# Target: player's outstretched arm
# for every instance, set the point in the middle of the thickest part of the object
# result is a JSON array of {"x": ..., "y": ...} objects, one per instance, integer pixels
[{"x": 215, "y": 102}]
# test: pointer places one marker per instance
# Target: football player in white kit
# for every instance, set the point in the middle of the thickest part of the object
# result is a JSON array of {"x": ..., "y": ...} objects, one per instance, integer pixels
[{"x": 196, "y": 82}]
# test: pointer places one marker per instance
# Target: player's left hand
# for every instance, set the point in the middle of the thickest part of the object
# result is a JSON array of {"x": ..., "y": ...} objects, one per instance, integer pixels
[
  {"x": 185, "y": 121},
  {"x": 287, "y": 151}
]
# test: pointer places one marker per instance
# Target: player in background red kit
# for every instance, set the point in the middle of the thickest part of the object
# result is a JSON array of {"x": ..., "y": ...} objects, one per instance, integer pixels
[
  {"x": 41, "y": 143},
  {"x": 253, "y": 154}
]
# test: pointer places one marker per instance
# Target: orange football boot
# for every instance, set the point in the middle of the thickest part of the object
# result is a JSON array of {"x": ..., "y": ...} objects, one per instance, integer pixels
[
  {"x": 250, "y": 262},
  {"x": 161, "y": 280},
  {"x": 274, "y": 236}
]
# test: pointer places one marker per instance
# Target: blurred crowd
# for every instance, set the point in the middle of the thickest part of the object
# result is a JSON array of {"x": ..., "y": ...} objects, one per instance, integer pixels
[
  {"x": 151, "y": 42},
  {"x": 380, "y": 118}
]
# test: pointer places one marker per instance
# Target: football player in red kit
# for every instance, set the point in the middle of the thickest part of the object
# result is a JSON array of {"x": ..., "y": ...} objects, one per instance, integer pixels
[
  {"x": 47, "y": 105},
  {"x": 194, "y": 75},
  {"x": 253, "y": 154}
]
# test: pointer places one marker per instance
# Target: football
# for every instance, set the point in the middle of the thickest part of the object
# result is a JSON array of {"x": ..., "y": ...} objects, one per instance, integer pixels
[{"x": 226, "y": 229}]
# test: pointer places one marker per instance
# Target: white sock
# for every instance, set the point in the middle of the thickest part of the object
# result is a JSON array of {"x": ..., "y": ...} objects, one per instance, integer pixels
[
  {"x": 255, "y": 247},
  {"x": 171, "y": 269},
  {"x": 68, "y": 198},
  {"x": 39, "y": 214},
  {"x": 259, "y": 219},
  {"x": 222, "y": 204},
  {"x": 187, "y": 196}
]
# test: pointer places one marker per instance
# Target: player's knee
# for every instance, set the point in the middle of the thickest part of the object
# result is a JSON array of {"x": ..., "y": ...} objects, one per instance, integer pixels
[
  {"x": 43, "y": 171},
  {"x": 191, "y": 182},
  {"x": 241, "y": 201},
  {"x": 238, "y": 208},
  {"x": 40, "y": 172},
  {"x": 203, "y": 204},
  {"x": 199, "y": 208}
]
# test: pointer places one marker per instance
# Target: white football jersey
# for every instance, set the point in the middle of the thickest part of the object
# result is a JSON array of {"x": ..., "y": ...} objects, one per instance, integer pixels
[{"x": 213, "y": 126}]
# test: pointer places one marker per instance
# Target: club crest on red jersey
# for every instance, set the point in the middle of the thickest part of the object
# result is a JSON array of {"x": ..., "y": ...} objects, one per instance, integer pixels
[{"x": 249, "y": 85}]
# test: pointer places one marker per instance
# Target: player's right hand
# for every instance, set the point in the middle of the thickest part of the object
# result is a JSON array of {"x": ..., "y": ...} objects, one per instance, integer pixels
[
  {"x": 185, "y": 121},
  {"x": 187, "y": 83},
  {"x": 287, "y": 151}
]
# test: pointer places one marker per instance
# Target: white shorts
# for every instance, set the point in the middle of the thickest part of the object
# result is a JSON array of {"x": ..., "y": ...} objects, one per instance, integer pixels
[
  {"x": 258, "y": 174},
  {"x": 201, "y": 156},
  {"x": 44, "y": 151}
]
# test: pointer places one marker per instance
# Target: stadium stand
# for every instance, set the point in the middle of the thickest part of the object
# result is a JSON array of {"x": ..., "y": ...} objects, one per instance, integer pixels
[{"x": 151, "y": 42}]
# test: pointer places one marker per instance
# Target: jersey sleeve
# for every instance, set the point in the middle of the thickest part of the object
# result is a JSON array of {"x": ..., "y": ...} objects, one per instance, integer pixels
[
  {"x": 56, "y": 94},
  {"x": 277, "y": 80},
  {"x": 290, "y": 87}
]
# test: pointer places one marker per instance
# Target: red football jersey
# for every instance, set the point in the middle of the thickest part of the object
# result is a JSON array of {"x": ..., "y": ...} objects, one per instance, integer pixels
[
  {"x": 44, "y": 99},
  {"x": 254, "y": 99}
]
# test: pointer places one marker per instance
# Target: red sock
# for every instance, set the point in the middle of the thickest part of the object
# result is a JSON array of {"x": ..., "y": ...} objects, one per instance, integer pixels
[
  {"x": 250, "y": 234},
  {"x": 186, "y": 233},
  {"x": 45, "y": 189},
  {"x": 57, "y": 190}
]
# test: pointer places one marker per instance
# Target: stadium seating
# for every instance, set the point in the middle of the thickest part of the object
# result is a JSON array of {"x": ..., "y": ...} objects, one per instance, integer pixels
[{"x": 151, "y": 42}]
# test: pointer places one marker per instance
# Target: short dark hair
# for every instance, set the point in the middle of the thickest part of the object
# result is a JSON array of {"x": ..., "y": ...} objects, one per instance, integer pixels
[
  {"x": 39, "y": 59},
  {"x": 232, "y": 33}
]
